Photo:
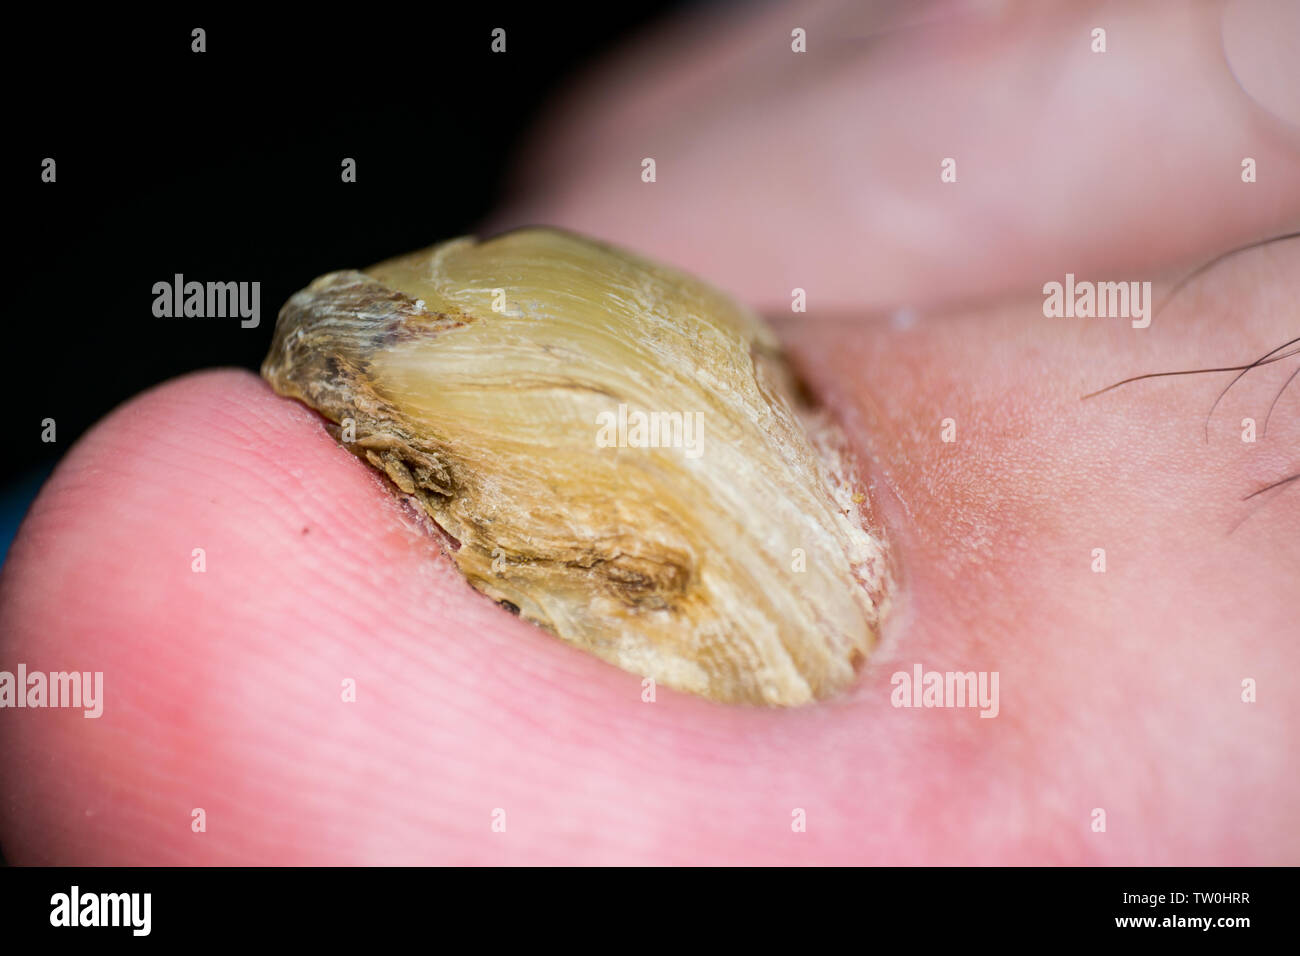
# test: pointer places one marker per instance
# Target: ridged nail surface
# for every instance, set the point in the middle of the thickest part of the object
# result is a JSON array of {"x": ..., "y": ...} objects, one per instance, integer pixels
[{"x": 619, "y": 451}]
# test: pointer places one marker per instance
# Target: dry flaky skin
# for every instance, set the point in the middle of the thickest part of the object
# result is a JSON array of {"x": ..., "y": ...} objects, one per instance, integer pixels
[{"x": 677, "y": 563}]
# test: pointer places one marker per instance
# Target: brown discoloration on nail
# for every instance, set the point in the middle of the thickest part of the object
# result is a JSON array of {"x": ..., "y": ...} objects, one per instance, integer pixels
[{"x": 731, "y": 560}]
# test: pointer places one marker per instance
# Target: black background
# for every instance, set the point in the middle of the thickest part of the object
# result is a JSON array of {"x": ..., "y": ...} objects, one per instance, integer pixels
[{"x": 225, "y": 166}]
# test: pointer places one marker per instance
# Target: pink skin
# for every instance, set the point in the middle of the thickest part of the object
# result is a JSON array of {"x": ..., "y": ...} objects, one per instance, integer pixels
[{"x": 1119, "y": 690}]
